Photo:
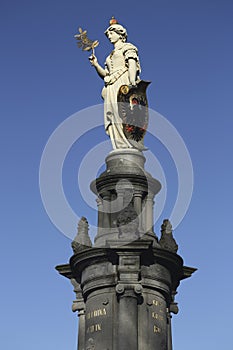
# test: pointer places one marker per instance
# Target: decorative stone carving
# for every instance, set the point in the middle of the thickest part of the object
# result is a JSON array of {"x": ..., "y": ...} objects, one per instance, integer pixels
[
  {"x": 128, "y": 223},
  {"x": 90, "y": 344},
  {"x": 173, "y": 305},
  {"x": 82, "y": 239},
  {"x": 174, "y": 308},
  {"x": 78, "y": 303},
  {"x": 167, "y": 241}
]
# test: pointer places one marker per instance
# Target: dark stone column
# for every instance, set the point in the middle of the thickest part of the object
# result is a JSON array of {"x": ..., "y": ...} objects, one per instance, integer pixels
[
  {"x": 104, "y": 217},
  {"x": 106, "y": 209},
  {"x": 127, "y": 319},
  {"x": 128, "y": 290},
  {"x": 149, "y": 217},
  {"x": 137, "y": 199},
  {"x": 79, "y": 305},
  {"x": 100, "y": 214},
  {"x": 169, "y": 330},
  {"x": 126, "y": 283},
  {"x": 172, "y": 309}
]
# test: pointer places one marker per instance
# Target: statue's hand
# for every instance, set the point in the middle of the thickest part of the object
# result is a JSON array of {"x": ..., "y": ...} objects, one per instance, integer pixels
[{"x": 93, "y": 60}]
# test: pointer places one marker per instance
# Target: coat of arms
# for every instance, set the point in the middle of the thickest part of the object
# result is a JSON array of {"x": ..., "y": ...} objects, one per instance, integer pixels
[{"x": 133, "y": 110}]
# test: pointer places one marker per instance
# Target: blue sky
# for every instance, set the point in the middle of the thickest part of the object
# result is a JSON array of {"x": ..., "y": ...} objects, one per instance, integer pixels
[{"x": 186, "y": 51}]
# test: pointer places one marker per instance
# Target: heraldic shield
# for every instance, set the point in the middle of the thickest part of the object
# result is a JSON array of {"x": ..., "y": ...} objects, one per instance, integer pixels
[{"x": 133, "y": 110}]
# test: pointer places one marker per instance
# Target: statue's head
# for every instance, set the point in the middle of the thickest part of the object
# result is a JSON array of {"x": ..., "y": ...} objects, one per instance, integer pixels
[{"x": 117, "y": 28}]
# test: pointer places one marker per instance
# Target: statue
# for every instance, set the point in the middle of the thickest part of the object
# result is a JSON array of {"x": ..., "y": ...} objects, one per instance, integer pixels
[
  {"x": 167, "y": 240},
  {"x": 125, "y": 103},
  {"x": 82, "y": 239}
]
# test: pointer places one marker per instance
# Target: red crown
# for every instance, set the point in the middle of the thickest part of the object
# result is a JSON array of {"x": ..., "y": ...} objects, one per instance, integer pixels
[{"x": 113, "y": 21}]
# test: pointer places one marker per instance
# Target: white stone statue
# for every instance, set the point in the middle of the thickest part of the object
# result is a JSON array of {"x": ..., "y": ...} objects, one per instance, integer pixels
[{"x": 122, "y": 67}]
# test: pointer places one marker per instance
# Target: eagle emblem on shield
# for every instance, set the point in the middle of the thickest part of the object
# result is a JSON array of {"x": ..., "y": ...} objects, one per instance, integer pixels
[{"x": 133, "y": 110}]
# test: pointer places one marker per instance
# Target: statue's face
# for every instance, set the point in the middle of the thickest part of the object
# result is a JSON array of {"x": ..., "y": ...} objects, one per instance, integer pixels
[{"x": 113, "y": 36}]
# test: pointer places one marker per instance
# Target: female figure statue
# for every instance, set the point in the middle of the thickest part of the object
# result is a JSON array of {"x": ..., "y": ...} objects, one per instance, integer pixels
[{"x": 122, "y": 67}]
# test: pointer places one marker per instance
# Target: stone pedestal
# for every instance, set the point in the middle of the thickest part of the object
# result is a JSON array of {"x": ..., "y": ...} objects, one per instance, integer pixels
[
  {"x": 125, "y": 193},
  {"x": 125, "y": 283}
]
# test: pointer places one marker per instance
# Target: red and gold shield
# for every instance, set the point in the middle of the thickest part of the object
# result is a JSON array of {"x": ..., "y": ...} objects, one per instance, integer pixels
[{"x": 133, "y": 110}]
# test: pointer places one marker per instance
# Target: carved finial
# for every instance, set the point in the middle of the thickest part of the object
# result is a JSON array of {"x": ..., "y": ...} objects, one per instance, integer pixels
[
  {"x": 166, "y": 226},
  {"x": 83, "y": 226},
  {"x": 167, "y": 241},
  {"x": 82, "y": 239}
]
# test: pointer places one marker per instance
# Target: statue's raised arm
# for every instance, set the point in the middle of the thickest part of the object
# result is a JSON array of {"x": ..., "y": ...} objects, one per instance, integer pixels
[{"x": 124, "y": 94}]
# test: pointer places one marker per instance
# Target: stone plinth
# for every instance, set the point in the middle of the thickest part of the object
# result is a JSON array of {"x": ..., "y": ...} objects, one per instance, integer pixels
[{"x": 127, "y": 295}]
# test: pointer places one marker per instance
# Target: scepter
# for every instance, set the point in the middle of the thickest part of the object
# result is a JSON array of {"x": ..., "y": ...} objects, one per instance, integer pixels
[{"x": 84, "y": 42}]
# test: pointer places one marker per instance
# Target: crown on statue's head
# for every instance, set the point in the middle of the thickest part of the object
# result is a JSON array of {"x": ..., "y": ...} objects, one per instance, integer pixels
[
  {"x": 113, "y": 20},
  {"x": 118, "y": 28}
]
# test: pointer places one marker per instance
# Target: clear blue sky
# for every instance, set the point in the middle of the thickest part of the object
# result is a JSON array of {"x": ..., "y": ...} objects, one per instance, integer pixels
[{"x": 186, "y": 51}]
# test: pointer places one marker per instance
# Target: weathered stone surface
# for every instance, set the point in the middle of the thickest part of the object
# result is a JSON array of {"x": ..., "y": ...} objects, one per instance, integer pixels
[
  {"x": 125, "y": 195},
  {"x": 167, "y": 240},
  {"x": 82, "y": 239},
  {"x": 128, "y": 292},
  {"x": 152, "y": 315},
  {"x": 125, "y": 284}
]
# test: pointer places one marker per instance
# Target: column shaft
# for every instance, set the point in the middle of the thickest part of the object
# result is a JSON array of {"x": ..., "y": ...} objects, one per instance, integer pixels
[
  {"x": 128, "y": 324},
  {"x": 137, "y": 200},
  {"x": 100, "y": 214},
  {"x": 81, "y": 330},
  {"x": 149, "y": 213},
  {"x": 169, "y": 332},
  {"x": 106, "y": 209}
]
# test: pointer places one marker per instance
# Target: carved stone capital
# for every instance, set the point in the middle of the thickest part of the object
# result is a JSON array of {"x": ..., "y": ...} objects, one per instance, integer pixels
[
  {"x": 99, "y": 201},
  {"x": 120, "y": 289},
  {"x": 134, "y": 288},
  {"x": 138, "y": 289}
]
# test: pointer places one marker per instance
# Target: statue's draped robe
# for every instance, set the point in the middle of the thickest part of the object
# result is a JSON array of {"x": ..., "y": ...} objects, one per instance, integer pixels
[{"x": 116, "y": 66}]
